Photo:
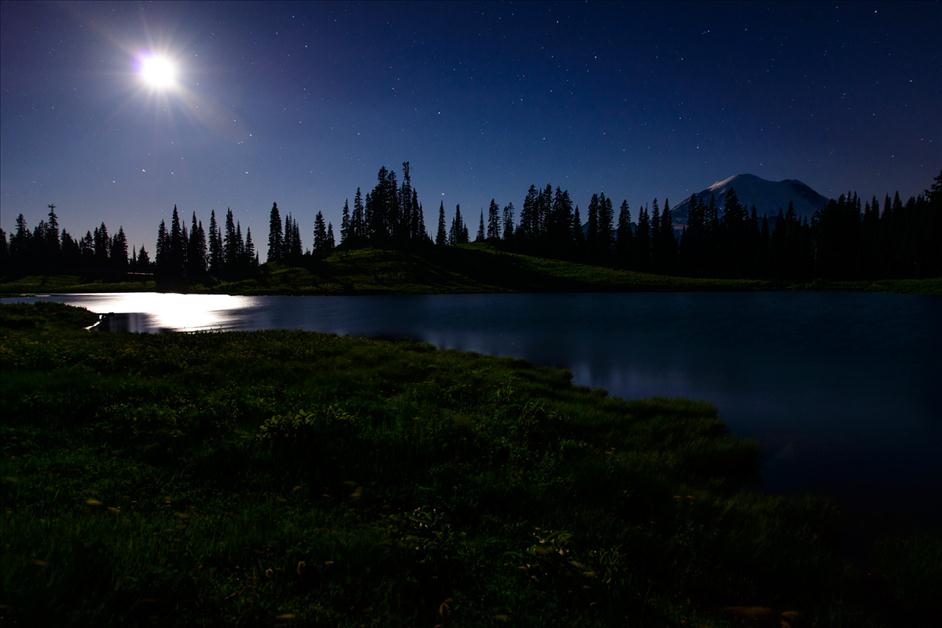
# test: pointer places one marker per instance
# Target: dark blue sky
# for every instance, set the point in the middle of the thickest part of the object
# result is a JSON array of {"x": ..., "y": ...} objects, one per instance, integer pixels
[{"x": 300, "y": 104}]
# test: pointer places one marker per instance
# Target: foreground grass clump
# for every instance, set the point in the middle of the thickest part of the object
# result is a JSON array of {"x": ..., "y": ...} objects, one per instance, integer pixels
[{"x": 279, "y": 478}]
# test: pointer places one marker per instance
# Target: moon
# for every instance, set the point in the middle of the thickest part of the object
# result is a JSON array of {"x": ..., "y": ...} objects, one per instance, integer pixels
[{"x": 158, "y": 72}]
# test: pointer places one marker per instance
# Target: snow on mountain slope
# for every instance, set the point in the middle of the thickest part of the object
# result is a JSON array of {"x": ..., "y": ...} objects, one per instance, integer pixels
[{"x": 767, "y": 196}]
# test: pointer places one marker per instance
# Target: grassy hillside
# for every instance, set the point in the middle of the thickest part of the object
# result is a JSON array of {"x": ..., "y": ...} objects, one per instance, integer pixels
[
  {"x": 467, "y": 268},
  {"x": 46, "y": 284},
  {"x": 291, "y": 478}
]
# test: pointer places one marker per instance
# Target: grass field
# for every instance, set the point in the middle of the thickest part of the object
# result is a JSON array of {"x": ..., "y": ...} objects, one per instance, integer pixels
[
  {"x": 461, "y": 269},
  {"x": 46, "y": 284},
  {"x": 292, "y": 478}
]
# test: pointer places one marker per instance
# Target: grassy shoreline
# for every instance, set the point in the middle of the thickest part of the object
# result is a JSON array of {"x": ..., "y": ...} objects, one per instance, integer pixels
[
  {"x": 280, "y": 478},
  {"x": 465, "y": 269}
]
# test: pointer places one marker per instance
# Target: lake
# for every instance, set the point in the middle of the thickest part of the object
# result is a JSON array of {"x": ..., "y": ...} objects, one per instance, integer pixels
[{"x": 841, "y": 390}]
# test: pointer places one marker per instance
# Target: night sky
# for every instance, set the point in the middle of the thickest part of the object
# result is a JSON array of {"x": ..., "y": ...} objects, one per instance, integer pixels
[{"x": 300, "y": 104}]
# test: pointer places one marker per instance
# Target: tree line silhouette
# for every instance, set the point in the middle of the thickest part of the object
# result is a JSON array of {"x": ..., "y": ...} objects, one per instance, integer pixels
[
  {"x": 848, "y": 238},
  {"x": 47, "y": 249}
]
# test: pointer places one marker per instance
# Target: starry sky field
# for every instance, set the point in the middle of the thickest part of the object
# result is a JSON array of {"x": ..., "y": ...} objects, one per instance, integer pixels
[{"x": 301, "y": 103}]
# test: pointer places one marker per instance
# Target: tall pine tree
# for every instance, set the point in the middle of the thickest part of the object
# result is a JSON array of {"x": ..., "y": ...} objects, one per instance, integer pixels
[
  {"x": 441, "y": 237},
  {"x": 493, "y": 221},
  {"x": 275, "y": 237}
]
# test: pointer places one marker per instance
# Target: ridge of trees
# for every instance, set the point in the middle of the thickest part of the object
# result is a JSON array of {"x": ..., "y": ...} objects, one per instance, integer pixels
[{"x": 849, "y": 238}]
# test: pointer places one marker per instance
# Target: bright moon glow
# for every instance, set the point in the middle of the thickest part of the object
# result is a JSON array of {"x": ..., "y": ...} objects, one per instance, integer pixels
[
  {"x": 178, "y": 312},
  {"x": 158, "y": 72}
]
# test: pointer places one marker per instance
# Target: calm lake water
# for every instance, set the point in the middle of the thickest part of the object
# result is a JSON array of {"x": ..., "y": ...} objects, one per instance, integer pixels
[{"x": 842, "y": 391}]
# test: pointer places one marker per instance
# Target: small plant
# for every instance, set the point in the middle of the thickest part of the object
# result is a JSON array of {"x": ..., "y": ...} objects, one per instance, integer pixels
[{"x": 304, "y": 424}]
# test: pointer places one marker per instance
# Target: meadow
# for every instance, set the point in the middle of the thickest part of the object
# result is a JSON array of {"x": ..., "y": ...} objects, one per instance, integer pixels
[
  {"x": 279, "y": 478},
  {"x": 470, "y": 268}
]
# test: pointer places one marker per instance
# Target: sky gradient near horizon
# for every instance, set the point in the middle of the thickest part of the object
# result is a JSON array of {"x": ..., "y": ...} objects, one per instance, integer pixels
[{"x": 301, "y": 103}]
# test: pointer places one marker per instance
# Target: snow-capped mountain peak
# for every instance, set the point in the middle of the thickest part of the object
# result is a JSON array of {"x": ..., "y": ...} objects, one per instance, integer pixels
[{"x": 767, "y": 196}]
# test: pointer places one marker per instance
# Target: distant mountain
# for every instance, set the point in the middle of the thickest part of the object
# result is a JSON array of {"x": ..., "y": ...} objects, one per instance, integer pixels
[{"x": 767, "y": 196}]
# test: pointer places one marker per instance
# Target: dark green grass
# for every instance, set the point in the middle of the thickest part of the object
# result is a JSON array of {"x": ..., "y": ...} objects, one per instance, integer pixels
[
  {"x": 461, "y": 269},
  {"x": 277, "y": 478},
  {"x": 931, "y": 286},
  {"x": 73, "y": 283},
  {"x": 468, "y": 268}
]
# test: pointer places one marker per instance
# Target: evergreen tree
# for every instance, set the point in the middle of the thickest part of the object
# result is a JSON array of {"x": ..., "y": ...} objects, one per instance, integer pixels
[
  {"x": 733, "y": 242},
  {"x": 177, "y": 245},
  {"x": 102, "y": 245},
  {"x": 544, "y": 208},
  {"x": 368, "y": 219},
  {"x": 529, "y": 216},
  {"x": 331, "y": 243},
  {"x": 657, "y": 253},
  {"x": 52, "y": 234},
  {"x": 320, "y": 236},
  {"x": 642, "y": 241},
  {"x": 480, "y": 236},
  {"x": 668, "y": 241},
  {"x": 870, "y": 239},
  {"x": 186, "y": 244},
  {"x": 559, "y": 224},
  {"x": 623, "y": 234},
  {"x": 837, "y": 235},
  {"x": 292, "y": 247},
  {"x": 358, "y": 220},
  {"x": 508, "y": 221},
  {"x": 20, "y": 243},
  {"x": 756, "y": 253},
  {"x": 37, "y": 248},
  {"x": 459, "y": 232},
  {"x": 419, "y": 234},
  {"x": 694, "y": 238},
  {"x": 249, "y": 257},
  {"x": 87, "y": 249},
  {"x": 765, "y": 243},
  {"x": 931, "y": 230},
  {"x": 118, "y": 253},
  {"x": 196, "y": 249},
  {"x": 162, "y": 248},
  {"x": 405, "y": 213},
  {"x": 605, "y": 233},
  {"x": 578, "y": 236},
  {"x": 200, "y": 250},
  {"x": 298, "y": 251},
  {"x": 345, "y": 224},
  {"x": 592, "y": 225},
  {"x": 441, "y": 239},
  {"x": 215, "y": 245},
  {"x": 275, "y": 236},
  {"x": 493, "y": 221},
  {"x": 143, "y": 260},
  {"x": 230, "y": 245},
  {"x": 69, "y": 256},
  {"x": 287, "y": 245},
  {"x": 383, "y": 211}
]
